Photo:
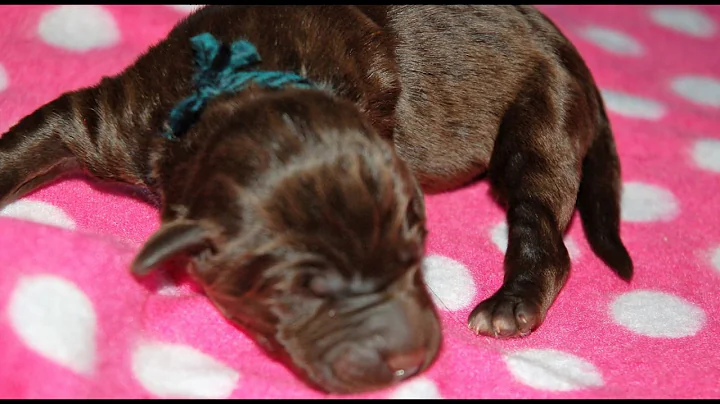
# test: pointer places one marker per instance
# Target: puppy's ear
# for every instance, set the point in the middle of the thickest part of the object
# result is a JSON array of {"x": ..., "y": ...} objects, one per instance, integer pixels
[{"x": 172, "y": 239}]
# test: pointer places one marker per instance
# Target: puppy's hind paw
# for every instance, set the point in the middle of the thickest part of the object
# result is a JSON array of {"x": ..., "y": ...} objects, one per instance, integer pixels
[{"x": 505, "y": 316}]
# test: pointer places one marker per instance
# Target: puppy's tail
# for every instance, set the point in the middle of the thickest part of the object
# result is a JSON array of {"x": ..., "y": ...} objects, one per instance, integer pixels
[{"x": 599, "y": 200}]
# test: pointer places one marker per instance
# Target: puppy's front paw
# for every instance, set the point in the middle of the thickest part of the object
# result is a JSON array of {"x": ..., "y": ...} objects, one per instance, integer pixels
[{"x": 505, "y": 315}]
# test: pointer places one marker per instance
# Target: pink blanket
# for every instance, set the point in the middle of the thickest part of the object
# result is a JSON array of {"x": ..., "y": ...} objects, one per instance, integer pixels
[{"x": 75, "y": 324}]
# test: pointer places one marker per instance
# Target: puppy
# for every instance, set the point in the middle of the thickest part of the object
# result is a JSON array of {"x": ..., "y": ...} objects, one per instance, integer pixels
[{"x": 300, "y": 209}]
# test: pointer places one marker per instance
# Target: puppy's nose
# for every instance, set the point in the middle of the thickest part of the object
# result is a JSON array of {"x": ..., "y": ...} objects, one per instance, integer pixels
[{"x": 407, "y": 364}]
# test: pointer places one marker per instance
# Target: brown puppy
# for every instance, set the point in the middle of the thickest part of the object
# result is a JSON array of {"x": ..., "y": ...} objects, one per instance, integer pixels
[{"x": 301, "y": 220}]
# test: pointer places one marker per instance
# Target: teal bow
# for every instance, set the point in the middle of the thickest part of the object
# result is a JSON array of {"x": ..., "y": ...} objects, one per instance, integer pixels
[{"x": 217, "y": 73}]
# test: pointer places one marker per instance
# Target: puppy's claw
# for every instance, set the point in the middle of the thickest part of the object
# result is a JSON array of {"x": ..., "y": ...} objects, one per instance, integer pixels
[{"x": 522, "y": 319}]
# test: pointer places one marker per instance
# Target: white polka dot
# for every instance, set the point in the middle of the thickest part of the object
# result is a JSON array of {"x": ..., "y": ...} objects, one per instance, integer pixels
[
  {"x": 169, "y": 290},
  {"x": 78, "y": 27},
  {"x": 715, "y": 258},
  {"x": 632, "y": 106},
  {"x": 706, "y": 153},
  {"x": 549, "y": 369},
  {"x": 657, "y": 314},
  {"x": 179, "y": 371},
  {"x": 40, "y": 212},
  {"x": 698, "y": 89},
  {"x": 168, "y": 287},
  {"x": 499, "y": 236},
  {"x": 417, "y": 388},
  {"x": 187, "y": 8},
  {"x": 685, "y": 20},
  {"x": 450, "y": 283},
  {"x": 56, "y": 319},
  {"x": 3, "y": 78},
  {"x": 647, "y": 203},
  {"x": 612, "y": 41}
]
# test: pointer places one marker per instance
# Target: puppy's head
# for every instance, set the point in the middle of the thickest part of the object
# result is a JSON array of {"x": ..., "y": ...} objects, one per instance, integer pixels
[{"x": 305, "y": 228}]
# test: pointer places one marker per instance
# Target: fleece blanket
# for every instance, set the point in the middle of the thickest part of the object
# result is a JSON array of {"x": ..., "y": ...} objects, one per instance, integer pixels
[{"x": 75, "y": 324}]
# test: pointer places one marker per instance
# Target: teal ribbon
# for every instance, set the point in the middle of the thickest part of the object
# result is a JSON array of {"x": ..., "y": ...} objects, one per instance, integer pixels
[{"x": 223, "y": 69}]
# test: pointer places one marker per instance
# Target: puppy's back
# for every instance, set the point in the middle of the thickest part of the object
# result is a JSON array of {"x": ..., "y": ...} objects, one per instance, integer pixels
[{"x": 461, "y": 67}]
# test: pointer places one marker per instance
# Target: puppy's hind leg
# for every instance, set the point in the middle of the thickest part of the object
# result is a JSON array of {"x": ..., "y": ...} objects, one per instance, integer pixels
[
  {"x": 535, "y": 170},
  {"x": 80, "y": 129}
]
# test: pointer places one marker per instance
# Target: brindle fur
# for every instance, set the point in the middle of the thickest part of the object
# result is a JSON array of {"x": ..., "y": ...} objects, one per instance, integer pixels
[{"x": 300, "y": 211}]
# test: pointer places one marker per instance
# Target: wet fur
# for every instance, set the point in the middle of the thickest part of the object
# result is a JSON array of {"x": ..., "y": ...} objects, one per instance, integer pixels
[{"x": 285, "y": 201}]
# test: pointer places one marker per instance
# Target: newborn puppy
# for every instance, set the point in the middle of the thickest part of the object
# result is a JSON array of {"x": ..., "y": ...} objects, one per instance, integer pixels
[{"x": 300, "y": 210}]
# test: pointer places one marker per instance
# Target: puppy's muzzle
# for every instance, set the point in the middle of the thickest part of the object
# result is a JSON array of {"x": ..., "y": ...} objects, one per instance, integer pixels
[{"x": 380, "y": 346}]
